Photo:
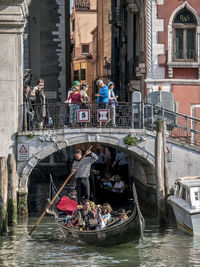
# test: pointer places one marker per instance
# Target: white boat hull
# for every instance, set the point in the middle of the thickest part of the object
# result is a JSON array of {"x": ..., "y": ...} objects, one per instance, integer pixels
[{"x": 186, "y": 221}]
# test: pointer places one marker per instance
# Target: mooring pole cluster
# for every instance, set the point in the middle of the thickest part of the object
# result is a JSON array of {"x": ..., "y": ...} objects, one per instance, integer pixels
[{"x": 8, "y": 193}]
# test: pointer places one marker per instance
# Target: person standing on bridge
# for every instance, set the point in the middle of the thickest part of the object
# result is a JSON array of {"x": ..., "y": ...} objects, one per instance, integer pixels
[
  {"x": 112, "y": 102},
  {"x": 75, "y": 98},
  {"x": 41, "y": 105},
  {"x": 82, "y": 174},
  {"x": 103, "y": 94}
]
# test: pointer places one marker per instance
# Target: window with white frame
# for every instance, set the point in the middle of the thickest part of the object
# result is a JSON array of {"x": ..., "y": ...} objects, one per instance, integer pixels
[{"x": 185, "y": 36}]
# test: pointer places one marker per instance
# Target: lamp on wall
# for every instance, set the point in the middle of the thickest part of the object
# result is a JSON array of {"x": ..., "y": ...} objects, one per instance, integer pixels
[{"x": 131, "y": 6}]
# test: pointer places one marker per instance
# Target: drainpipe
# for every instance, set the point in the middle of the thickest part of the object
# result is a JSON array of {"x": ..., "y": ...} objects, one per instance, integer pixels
[{"x": 67, "y": 46}]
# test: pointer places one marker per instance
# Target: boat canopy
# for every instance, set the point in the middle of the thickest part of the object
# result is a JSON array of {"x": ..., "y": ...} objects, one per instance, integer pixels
[{"x": 189, "y": 191}]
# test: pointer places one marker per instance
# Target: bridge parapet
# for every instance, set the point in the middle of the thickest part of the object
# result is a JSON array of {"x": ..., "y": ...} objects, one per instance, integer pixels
[{"x": 121, "y": 116}]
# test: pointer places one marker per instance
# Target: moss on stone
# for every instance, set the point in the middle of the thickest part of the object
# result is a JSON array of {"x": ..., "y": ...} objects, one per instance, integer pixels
[{"x": 22, "y": 205}]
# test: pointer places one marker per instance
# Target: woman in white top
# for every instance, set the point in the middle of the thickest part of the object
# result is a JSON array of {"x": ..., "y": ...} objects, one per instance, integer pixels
[
  {"x": 119, "y": 185},
  {"x": 84, "y": 94}
]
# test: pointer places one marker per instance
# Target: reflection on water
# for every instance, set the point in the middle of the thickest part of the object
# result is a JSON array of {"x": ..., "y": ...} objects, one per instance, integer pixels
[{"x": 46, "y": 247}]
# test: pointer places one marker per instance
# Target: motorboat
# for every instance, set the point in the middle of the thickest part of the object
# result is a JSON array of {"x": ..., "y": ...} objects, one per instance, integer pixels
[{"x": 186, "y": 204}]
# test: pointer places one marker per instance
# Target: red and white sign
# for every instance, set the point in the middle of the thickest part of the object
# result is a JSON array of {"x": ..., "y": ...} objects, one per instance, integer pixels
[
  {"x": 103, "y": 115},
  {"x": 22, "y": 152},
  {"x": 83, "y": 115},
  {"x": 169, "y": 152}
]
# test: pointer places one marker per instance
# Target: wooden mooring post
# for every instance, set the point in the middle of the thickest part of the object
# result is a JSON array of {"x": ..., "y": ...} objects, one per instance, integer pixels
[
  {"x": 161, "y": 170},
  {"x": 12, "y": 193},
  {"x": 3, "y": 194}
]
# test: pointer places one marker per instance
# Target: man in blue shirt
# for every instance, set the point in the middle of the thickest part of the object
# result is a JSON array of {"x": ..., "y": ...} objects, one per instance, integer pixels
[{"x": 103, "y": 95}]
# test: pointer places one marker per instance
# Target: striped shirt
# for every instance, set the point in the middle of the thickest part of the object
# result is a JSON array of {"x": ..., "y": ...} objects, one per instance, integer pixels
[{"x": 83, "y": 170}]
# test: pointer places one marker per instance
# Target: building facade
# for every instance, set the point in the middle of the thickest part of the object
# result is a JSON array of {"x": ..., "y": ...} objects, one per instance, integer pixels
[
  {"x": 104, "y": 40},
  {"x": 47, "y": 46},
  {"x": 128, "y": 62},
  {"x": 173, "y": 51},
  {"x": 156, "y": 44},
  {"x": 84, "y": 20}
]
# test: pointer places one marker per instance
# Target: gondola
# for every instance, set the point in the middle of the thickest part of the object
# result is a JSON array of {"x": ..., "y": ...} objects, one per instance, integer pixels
[{"x": 117, "y": 232}]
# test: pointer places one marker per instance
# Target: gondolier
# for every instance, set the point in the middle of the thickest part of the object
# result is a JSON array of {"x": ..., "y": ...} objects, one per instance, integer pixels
[{"x": 82, "y": 174}]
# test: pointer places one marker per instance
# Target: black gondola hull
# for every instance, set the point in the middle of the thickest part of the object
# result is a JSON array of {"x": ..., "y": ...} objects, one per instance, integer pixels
[{"x": 122, "y": 232}]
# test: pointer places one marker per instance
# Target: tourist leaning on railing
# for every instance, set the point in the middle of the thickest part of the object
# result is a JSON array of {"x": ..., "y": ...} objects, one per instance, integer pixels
[
  {"x": 103, "y": 94},
  {"x": 29, "y": 113},
  {"x": 112, "y": 102},
  {"x": 75, "y": 98},
  {"x": 41, "y": 107}
]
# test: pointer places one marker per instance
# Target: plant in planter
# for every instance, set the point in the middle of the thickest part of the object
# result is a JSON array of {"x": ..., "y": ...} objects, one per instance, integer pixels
[{"x": 130, "y": 140}]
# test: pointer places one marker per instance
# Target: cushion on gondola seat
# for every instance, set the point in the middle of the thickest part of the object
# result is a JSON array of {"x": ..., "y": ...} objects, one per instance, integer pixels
[{"x": 67, "y": 204}]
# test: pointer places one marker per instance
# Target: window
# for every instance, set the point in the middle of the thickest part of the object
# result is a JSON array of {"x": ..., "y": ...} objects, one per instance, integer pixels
[
  {"x": 184, "y": 26},
  {"x": 83, "y": 74},
  {"x": 73, "y": 25},
  {"x": 183, "y": 194},
  {"x": 76, "y": 75},
  {"x": 85, "y": 49},
  {"x": 196, "y": 196}
]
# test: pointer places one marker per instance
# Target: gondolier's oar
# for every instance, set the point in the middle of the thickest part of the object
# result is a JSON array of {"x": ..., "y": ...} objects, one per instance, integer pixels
[{"x": 61, "y": 188}]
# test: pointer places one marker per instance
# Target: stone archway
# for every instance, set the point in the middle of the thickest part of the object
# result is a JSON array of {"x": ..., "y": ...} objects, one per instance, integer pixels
[{"x": 138, "y": 152}]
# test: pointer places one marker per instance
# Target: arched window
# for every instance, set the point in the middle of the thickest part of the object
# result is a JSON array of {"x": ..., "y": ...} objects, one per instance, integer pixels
[{"x": 185, "y": 32}]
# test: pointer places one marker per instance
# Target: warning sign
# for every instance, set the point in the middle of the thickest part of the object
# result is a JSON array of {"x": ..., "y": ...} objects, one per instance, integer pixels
[
  {"x": 169, "y": 152},
  {"x": 83, "y": 115},
  {"x": 22, "y": 152},
  {"x": 103, "y": 115}
]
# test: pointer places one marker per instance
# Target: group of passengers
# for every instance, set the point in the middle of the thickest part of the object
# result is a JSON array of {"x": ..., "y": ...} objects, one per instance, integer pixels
[
  {"x": 116, "y": 178},
  {"x": 90, "y": 216},
  {"x": 114, "y": 184}
]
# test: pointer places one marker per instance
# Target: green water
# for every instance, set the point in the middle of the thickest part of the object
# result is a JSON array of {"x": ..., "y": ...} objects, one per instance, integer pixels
[{"x": 46, "y": 247}]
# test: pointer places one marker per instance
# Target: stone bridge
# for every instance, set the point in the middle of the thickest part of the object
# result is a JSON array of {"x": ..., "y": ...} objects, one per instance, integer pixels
[{"x": 183, "y": 159}]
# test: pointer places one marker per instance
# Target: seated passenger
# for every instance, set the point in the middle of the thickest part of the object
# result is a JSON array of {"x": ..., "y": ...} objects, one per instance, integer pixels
[
  {"x": 104, "y": 216},
  {"x": 119, "y": 185},
  {"x": 106, "y": 183},
  {"x": 86, "y": 217},
  {"x": 75, "y": 215}
]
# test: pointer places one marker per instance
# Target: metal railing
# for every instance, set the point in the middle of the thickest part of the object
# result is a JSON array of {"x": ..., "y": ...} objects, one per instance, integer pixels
[{"x": 122, "y": 115}]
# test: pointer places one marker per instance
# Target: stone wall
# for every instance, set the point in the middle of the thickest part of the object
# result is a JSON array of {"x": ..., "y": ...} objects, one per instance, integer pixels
[{"x": 12, "y": 23}]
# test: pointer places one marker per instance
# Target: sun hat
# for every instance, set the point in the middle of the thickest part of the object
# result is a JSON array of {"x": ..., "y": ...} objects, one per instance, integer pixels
[{"x": 76, "y": 83}]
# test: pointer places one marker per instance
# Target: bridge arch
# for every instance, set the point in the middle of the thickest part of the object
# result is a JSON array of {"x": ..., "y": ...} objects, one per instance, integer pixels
[{"x": 45, "y": 149}]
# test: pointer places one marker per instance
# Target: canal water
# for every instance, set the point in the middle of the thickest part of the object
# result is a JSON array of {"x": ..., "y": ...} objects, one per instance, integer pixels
[{"x": 46, "y": 247}]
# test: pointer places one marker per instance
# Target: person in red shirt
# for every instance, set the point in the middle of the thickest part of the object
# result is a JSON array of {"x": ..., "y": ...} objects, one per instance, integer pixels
[{"x": 75, "y": 98}]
